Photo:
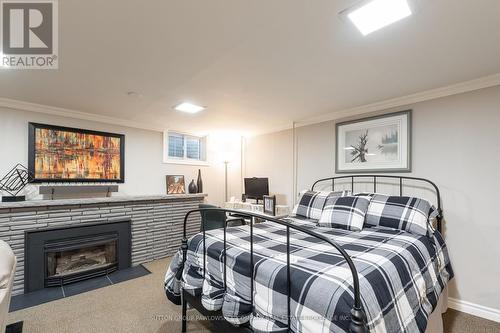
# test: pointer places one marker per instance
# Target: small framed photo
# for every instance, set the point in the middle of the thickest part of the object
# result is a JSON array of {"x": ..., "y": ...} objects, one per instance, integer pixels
[
  {"x": 270, "y": 204},
  {"x": 175, "y": 184}
]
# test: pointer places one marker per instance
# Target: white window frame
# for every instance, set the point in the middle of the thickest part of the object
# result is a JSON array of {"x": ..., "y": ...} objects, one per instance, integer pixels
[{"x": 184, "y": 160}]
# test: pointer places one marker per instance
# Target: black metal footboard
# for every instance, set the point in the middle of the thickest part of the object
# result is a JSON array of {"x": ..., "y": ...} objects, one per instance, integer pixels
[{"x": 358, "y": 317}]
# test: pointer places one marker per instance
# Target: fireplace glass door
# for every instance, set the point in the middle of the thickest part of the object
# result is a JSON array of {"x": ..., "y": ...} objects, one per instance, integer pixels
[{"x": 76, "y": 259}]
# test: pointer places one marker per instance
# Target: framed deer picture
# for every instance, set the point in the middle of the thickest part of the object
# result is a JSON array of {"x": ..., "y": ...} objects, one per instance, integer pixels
[{"x": 374, "y": 144}]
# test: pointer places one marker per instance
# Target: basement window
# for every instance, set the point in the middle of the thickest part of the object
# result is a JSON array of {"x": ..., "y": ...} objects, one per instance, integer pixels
[{"x": 182, "y": 148}]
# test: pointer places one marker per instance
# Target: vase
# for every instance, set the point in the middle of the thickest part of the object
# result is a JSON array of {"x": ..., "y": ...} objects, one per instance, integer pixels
[
  {"x": 192, "y": 188},
  {"x": 199, "y": 182}
]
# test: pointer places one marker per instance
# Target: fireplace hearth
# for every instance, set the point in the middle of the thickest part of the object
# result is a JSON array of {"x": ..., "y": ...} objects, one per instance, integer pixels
[{"x": 60, "y": 256}]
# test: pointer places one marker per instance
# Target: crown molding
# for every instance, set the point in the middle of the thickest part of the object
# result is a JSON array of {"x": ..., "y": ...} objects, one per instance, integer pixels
[
  {"x": 427, "y": 95},
  {"x": 68, "y": 113},
  {"x": 454, "y": 89}
]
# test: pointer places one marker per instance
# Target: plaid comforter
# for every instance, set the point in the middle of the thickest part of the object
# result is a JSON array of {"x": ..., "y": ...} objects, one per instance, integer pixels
[{"x": 401, "y": 278}]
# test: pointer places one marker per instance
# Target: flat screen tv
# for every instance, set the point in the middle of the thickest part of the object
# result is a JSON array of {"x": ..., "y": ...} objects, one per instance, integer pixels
[
  {"x": 256, "y": 188},
  {"x": 63, "y": 154}
]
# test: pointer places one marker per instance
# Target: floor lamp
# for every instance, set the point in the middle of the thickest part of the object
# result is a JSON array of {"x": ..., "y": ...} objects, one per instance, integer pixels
[
  {"x": 226, "y": 157},
  {"x": 226, "y": 162}
]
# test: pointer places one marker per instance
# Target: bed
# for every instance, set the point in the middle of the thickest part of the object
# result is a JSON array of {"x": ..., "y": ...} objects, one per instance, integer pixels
[{"x": 293, "y": 275}]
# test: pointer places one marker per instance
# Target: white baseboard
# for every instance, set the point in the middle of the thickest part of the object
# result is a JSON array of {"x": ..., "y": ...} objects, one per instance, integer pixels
[{"x": 474, "y": 309}]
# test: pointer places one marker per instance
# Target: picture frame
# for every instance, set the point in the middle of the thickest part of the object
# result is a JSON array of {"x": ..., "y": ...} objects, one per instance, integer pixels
[
  {"x": 269, "y": 204},
  {"x": 52, "y": 159},
  {"x": 374, "y": 144},
  {"x": 176, "y": 184}
]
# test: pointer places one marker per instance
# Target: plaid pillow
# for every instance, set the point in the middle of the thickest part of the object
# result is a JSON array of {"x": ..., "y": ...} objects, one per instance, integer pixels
[
  {"x": 405, "y": 213},
  {"x": 346, "y": 212},
  {"x": 311, "y": 203}
]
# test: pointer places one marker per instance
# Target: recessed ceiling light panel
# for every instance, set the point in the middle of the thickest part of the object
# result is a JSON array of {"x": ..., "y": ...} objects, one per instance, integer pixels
[
  {"x": 373, "y": 15},
  {"x": 189, "y": 107}
]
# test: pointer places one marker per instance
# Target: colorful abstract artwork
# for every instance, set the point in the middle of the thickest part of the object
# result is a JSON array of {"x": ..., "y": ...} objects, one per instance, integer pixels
[{"x": 68, "y": 154}]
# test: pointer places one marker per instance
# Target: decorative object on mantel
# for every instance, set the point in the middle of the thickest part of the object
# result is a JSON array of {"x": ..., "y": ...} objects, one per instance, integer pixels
[
  {"x": 192, "y": 188},
  {"x": 62, "y": 154},
  {"x": 175, "y": 184},
  {"x": 56, "y": 190},
  {"x": 14, "y": 182},
  {"x": 199, "y": 182},
  {"x": 374, "y": 144}
]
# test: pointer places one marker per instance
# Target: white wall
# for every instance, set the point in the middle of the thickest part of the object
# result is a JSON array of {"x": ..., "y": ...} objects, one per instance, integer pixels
[
  {"x": 271, "y": 156},
  {"x": 144, "y": 170},
  {"x": 456, "y": 143}
]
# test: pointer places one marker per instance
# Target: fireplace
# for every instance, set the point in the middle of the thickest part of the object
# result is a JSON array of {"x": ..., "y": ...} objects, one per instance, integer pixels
[
  {"x": 59, "y": 256},
  {"x": 76, "y": 259}
]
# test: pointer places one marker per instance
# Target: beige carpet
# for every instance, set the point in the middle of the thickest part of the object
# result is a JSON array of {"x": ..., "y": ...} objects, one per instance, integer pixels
[{"x": 140, "y": 305}]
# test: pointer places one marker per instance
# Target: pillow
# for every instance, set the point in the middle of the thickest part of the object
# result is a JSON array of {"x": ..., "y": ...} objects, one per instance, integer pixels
[
  {"x": 405, "y": 213},
  {"x": 311, "y": 203},
  {"x": 346, "y": 212}
]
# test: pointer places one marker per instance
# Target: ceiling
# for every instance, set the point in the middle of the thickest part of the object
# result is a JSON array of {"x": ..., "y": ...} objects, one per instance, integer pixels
[{"x": 257, "y": 65}]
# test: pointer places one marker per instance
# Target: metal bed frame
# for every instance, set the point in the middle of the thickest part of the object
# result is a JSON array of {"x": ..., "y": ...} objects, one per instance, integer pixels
[
  {"x": 358, "y": 316},
  {"x": 375, "y": 178}
]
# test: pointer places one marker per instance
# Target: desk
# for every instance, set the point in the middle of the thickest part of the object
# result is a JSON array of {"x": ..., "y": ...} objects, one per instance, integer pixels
[{"x": 281, "y": 210}]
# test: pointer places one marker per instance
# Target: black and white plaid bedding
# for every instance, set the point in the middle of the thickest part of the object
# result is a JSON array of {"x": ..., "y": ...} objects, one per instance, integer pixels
[
  {"x": 406, "y": 213},
  {"x": 345, "y": 212},
  {"x": 311, "y": 203},
  {"x": 401, "y": 277},
  {"x": 300, "y": 220}
]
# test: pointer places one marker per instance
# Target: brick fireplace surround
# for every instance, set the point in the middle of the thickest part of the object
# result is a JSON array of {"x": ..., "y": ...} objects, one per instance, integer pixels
[{"x": 156, "y": 222}]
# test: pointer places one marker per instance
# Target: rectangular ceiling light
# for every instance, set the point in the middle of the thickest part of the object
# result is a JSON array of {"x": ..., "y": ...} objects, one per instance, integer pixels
[
  {"x": 189, "y": 107},
  {"x": 376, "y": 14}
]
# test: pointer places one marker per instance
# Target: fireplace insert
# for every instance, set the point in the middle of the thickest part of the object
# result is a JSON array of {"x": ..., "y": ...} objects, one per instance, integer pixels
[
  {"x": 72, "y": 260},
  {"x": 59, "y": 256}
]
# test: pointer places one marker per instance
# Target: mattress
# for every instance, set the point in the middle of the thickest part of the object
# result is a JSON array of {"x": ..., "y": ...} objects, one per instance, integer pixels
[{"x": 401, "y": 277}]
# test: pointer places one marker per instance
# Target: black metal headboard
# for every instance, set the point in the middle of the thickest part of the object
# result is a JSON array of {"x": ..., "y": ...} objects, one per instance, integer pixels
[{"x": 374, "y": 178}]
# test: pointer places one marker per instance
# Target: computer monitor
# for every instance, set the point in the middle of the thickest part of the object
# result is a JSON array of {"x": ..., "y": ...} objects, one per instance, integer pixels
[{"x": 256, "y": 188}]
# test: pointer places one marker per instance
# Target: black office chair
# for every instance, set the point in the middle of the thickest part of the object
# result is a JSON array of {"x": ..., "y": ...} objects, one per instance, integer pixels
[{"x": 216, "y": 219}]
